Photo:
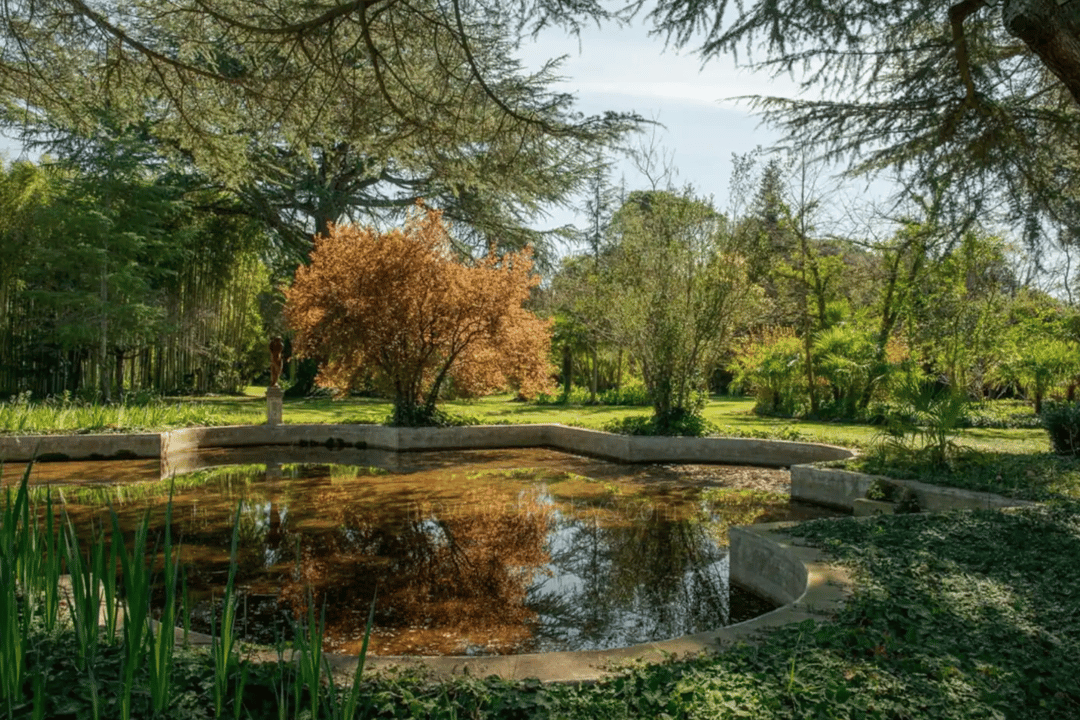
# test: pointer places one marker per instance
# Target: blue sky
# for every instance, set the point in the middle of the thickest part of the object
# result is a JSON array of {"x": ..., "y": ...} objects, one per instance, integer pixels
[{"x": 622, "y": 68}]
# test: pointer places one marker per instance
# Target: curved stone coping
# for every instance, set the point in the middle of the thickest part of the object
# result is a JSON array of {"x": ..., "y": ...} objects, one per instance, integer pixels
[
  {"x": 763, "y": 559},
  {"x": 623, "y": 448},
  {"x": 840, "y": 489}
]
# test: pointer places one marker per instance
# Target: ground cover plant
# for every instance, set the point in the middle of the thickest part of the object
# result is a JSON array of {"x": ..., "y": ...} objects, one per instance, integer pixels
[{"x": 1026, "y": 476}]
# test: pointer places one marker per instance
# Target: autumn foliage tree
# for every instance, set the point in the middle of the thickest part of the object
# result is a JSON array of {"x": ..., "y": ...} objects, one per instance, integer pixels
[{"x": 400, "y": 309}]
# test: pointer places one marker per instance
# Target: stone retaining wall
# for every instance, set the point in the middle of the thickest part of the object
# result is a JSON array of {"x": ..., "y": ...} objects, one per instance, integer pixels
[
  {"x": 623, "y": 448},
  {"x": 79, "y": 447},
  {"x": 840, "y": 488}
]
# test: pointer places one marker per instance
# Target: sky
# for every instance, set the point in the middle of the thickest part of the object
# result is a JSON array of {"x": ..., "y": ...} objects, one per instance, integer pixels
[{"x": 623, "y": 69}]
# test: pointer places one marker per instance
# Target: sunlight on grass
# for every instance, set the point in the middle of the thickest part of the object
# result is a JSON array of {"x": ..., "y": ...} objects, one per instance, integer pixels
[{"x": 733, "y": 415}]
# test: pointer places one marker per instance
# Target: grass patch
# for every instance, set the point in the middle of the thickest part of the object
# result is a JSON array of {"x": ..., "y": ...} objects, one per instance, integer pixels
[
  {"x": 731, "y": 417},
  {"x": 20, "y": 417}
]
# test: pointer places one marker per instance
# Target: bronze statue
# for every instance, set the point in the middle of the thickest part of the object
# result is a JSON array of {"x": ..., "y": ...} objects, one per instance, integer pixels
[{"x": 276, "y": 347}]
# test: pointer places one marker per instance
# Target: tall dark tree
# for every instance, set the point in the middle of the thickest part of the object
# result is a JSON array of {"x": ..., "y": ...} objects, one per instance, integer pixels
[
  {"x": 978, "y": 96},
  {"x": 315, "y": 112}
]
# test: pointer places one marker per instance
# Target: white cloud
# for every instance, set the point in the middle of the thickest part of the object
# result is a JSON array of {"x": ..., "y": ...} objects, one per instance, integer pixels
[{"x": 626, "y": 61}]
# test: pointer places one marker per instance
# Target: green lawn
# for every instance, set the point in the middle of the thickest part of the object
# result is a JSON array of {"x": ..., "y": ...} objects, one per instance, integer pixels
[{"x": 734, "y": 415}]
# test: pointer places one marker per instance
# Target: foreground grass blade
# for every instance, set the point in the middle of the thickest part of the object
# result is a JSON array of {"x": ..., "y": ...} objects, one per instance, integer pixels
[
  {"x": 222, "y": 647},
  {"x": 136, "y": 607},
  {"x": 13, "y": 633},
  {"x": 162, "y": 641}
]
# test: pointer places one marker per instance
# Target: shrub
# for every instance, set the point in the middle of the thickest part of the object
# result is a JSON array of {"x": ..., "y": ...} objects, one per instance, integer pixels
[
  {"x": 682, "y": 424},
  {"x": 924, "y": 420},
  {"x": 1062, "y": 424},
  {"x": 847, "y": 362},
  {"x": 631, "y": 393},
  {"x": 771, "y": 367}
]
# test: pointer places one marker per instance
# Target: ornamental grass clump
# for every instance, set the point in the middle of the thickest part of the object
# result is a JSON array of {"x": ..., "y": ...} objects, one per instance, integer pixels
[{"x": 105, "y": 658}]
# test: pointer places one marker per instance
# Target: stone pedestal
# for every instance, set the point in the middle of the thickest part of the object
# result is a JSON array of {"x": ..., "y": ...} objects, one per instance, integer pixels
[{"x": 273, "y": 405}]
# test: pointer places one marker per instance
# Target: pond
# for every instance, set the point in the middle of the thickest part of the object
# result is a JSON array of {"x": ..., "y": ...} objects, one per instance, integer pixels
[{"x": 467, "y": 552}]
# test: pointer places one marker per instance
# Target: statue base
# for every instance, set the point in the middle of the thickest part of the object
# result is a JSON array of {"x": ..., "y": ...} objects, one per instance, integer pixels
[{"x": 273, "y": 405}]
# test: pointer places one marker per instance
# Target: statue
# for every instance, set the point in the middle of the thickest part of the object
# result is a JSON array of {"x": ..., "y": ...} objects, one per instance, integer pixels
[{"x": 276, "y": 347}]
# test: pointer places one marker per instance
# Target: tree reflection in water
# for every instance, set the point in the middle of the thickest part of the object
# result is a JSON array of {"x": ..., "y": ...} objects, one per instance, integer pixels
[{"x": 519, "y": 561}]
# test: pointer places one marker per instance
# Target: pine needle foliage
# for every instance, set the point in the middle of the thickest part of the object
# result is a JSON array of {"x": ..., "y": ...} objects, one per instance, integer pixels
[
  {"x": 313, "y": 112},
  {"x": 959, "y": 98}
]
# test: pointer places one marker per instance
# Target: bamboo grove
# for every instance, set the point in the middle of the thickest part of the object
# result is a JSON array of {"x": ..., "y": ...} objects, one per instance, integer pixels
[{"x": 112, "y": 283}]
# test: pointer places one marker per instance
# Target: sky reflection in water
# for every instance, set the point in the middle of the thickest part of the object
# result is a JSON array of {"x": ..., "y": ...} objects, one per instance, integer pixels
[{"x": 472, "y": 552}]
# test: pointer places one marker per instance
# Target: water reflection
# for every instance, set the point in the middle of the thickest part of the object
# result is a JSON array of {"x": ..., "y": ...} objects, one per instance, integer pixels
[{"x": 544, "y": 551}]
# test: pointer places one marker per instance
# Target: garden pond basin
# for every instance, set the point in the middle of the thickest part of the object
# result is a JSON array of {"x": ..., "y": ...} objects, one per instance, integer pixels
[{"x": 470, "y": 552}]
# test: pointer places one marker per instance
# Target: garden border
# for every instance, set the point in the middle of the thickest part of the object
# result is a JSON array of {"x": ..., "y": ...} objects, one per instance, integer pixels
[{"x": 170, "y": 445}]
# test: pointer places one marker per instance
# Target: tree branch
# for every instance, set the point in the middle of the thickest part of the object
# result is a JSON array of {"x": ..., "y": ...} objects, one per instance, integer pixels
[{"x": 957, "y": 15}]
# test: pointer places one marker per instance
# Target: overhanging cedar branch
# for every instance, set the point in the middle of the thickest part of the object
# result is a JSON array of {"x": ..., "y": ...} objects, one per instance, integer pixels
[{"x": 957, "y": 15}]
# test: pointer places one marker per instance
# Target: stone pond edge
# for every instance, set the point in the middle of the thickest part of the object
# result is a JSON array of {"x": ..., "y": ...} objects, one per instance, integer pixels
[{"x": 763, "y": 558}]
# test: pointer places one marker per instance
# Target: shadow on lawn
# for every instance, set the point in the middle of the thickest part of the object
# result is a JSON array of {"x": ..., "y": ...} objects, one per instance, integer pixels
[{"x": 977, "y": 607}]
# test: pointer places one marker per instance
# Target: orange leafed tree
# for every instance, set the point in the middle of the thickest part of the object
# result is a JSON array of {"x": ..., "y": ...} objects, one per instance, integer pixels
[{"x": 398, "y": 307}]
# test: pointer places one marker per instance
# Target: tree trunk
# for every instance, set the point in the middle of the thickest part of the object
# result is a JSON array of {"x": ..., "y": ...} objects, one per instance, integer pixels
[
  {"x": 1051, "y": 29},
  {"x": 119, "y": 375},
  {"x": 567, "y": 369},
  {"x": 594, "y": 376}
]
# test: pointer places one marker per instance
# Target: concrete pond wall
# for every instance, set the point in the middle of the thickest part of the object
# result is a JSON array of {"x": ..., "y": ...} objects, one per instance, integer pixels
[
  {"x": 762, "y": 558},
  {"x": 843, "y": 489},
  {"x": 174, "y": 443}
]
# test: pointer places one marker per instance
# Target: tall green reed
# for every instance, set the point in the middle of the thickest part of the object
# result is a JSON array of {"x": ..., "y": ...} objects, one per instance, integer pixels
[
  {"x": 345, "y": 708},
  {"x": 223, "y": 644},
  {"x": 135, "y": 608},
  {"x": 93, "y": 600},
  {"x": 308, "y": 657},
  {"x": 34, "y": 551},
  {"x": 163, "y": 639},
  {"x": 14, "y": 620},
  {"x": 30, "y": 568}
]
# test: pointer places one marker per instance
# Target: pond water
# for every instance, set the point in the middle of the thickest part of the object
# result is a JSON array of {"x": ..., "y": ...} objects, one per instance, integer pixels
[{"x": 467, "y": 552}]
